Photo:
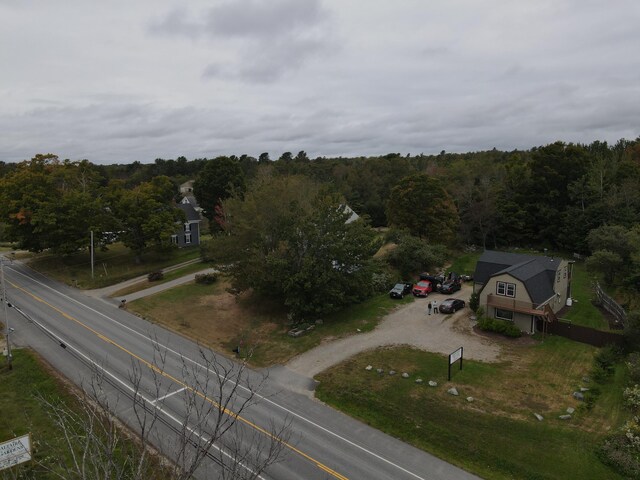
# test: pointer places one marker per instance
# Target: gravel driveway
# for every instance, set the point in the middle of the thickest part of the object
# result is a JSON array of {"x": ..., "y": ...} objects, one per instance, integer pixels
[{"x": 407, "y": 325}]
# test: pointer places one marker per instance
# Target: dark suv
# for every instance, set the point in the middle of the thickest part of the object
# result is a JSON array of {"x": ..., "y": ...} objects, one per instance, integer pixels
[
  {"x": 400, "y": 290},
  {"x": 450, "y": 287}
]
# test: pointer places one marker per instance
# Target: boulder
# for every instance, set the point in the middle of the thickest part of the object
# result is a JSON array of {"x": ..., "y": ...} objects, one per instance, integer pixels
[
  {"x": 453, "y": 391},
  {"x": 380, "y": 371},
  {"x": 392, "y": 372},
  {"x": 578, "y": 396},
  {"x": 538, "y": 416},
  {"x": 418, "y": 380},
  {"x": 368, "y": 367},
  {"x": 570, "y": 410},
  {"x": 470, "y": 399},
  {"x": 405, "y": 375},
  {"x": 432, "y": 383},
  {"x": 584, "y": 389},
  {"x": 565, "y": 417}
]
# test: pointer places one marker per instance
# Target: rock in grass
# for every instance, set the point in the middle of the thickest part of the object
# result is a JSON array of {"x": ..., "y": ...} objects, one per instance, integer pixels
[
  {"x": 392, "y": 372},
  {"x": 418, "y": 380},
  {"x": 368, "y": 367},
  {"x": 570, "y": 410},
  {"x": 578, "y": 396},
  {"x": 432, "y": 383},
  {"x": 405, "y": 375},
  {"x": 565, "y": 417},
  {"x": 538, "y": 416},
  {"x": 453, "y": 391}
]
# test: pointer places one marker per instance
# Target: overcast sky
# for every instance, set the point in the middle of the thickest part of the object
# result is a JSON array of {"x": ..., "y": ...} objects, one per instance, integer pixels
[{"x": 118, "y": 81}]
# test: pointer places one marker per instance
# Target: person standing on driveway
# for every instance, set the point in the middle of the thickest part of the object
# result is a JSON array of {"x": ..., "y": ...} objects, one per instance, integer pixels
[
  {"x": 429, "y": 308},
  {"x": 435, "y": 307}
]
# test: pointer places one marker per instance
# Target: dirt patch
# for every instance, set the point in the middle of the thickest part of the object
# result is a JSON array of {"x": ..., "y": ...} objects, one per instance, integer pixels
[{"x": 409, "y": 325}]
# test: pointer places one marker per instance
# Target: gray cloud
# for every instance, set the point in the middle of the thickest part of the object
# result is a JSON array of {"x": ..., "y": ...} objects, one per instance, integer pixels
[
  {"x": 328, "y": 77},
  {"x": 271, "y": 37}
]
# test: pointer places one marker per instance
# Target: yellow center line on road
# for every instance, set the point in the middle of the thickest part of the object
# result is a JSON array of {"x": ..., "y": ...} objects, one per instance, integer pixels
[{"x": 181, "y": 383}]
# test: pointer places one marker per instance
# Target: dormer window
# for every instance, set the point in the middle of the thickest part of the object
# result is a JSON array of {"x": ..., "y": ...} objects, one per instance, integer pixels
[
  {"x": 187, "y": 227},
  {"x": 506, "y": 289}
]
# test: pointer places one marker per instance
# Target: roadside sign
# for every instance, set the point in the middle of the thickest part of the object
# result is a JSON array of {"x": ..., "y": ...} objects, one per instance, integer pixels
[
  {"x": 453, "y": 358},
  {"x": 14, "y": 452}
]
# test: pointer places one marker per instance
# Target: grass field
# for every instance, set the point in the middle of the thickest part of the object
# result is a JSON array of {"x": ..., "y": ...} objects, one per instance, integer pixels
[
  {"x": 168, "y": 276},
  {"x": 464, "y": 263},
  {"x": 110, "y": 267},
  {"x": 211, "y": 315},
  {"x": 583, "y": 312},
  {"x": 496, "y": 436},
  {"x": 21, "y": 413}
]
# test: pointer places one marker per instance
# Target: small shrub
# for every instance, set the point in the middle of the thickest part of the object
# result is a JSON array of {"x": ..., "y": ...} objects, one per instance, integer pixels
[
  {"x": 474, "y": 302},
  {"x": 633, "y": 365},
  {"x": 206, "y": 278},
  {"x": 606, "y": 359},
  {"x": 155, "y": 276},
  {"x": 632, "y": 397},
  {"x": 499, "y": 326}
]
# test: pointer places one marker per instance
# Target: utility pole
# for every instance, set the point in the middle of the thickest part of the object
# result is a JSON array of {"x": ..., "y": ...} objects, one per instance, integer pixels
[
  {"x": 91, "y": 253},
  {"x": 6, "y": 316}
]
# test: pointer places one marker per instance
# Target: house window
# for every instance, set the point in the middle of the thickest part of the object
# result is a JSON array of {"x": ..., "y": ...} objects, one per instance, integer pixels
[
  {"x": 558, "y": 276},
  {"x": 187, "y": 227},
  {"x": 504, "y": 314},
  {"x": 565, "y": 273},
  {"x": 506, "y": 289},
  {"x": 187, "y": 238},
  {"x": 174, "y": 239}
]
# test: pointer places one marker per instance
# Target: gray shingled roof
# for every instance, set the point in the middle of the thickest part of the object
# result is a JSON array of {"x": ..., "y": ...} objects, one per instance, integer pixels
[
  {"x": 537, "y": 273},
  {"x": 189, "y": 212}
]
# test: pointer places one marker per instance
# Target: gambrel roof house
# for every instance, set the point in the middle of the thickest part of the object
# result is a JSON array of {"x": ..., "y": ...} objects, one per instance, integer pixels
[{"x": 522, "y": 288}]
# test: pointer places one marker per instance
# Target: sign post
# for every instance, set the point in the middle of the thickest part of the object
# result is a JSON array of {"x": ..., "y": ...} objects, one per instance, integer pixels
[
  {"x": 453, "y": 358},
  {"x": 15, "y": 451}
]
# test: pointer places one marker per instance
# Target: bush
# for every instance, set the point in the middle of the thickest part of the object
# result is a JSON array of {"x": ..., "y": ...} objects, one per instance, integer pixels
[
  {"x": 206, "y": 278},
  {"x": 155, "y": 276},
  {"x": 499, "y": 326},
  {"x": 618, "y": 452},
  {"x": 633, "y": 365},
  {"x": 607, "y": 358},
  {"x": 474, "y": 302},
  {"x": 380, "y": 282}
]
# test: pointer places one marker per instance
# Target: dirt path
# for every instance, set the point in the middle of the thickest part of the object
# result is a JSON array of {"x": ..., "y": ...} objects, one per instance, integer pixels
[{"x": 409, "y": 325}]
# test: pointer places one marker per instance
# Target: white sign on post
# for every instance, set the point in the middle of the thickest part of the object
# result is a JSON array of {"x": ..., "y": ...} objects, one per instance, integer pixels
[
  {"x": 455, "y": 356},
  {"x": 15, "y": 451}
]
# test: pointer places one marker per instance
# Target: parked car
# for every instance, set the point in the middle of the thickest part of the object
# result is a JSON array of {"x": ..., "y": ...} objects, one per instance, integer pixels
[
  {"x": 450, "y": 287},
  {"x": 400, "y": 290},
  {"x": 436, "y": 280},
  {"x": 422, "y": 288},
  {"x": 451, "y": 305}
]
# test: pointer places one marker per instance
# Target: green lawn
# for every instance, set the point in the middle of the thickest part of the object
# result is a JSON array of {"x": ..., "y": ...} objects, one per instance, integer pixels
[
  {"x": 21, "y": 412},
  {"x": 464, "y": 263},
  {"x": 110, "y": 267},
  {"x": 583, "y": 312},
  {"x": 496, "y": 436},
  {"x": 172, "y": 275}
]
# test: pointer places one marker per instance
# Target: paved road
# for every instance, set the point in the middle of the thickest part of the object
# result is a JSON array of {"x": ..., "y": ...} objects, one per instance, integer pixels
[{"x": 78, "y": 334}]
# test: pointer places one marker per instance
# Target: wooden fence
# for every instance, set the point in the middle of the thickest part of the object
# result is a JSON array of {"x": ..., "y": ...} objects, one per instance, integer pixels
[
  {"x": 610, "y": 305},
  {"x": 579, "y": 333}
]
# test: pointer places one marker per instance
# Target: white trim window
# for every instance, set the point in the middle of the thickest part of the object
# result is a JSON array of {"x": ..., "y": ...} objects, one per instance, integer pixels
[
  {"x": 187, "y": 238},
  {"x": 174, "y": 239},
  {"x": 503, "y": 314},
  {"x": 506, "y": 289},
  {"x": 187, "y": 227}
]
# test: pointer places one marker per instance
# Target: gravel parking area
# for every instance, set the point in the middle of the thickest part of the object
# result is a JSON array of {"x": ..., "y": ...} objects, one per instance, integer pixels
[{"x": 408, "y": 325}]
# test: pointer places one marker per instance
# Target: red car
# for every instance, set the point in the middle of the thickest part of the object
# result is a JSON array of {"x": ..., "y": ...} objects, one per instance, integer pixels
[{"x": 422, "y": 288}]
